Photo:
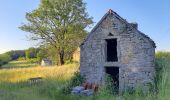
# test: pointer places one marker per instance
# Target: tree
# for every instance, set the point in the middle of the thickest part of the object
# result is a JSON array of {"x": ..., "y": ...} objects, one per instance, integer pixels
[
  {"x": 4, "y": 58},
  {"x": 42, "y": 53},
  {"x": 59, "y": 23},
  {"x": 31, "y": 53},
  {"x": 15, "y": 54}
]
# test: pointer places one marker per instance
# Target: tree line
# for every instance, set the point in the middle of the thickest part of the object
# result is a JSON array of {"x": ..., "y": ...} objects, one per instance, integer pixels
[
  {"x": 16, "y": 54},
  {"x": 33, "y": 53}
]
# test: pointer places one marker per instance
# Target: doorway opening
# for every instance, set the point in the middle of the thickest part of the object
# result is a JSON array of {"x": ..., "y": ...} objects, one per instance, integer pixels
[
  {"x": 111, "y": 50},
  {"x": 114, "y": 74}
]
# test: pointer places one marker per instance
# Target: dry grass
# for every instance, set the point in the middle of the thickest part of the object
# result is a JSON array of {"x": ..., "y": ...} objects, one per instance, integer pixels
[
  {"x": 23, "y": 74},
  {"x": 14, "y": 82}
]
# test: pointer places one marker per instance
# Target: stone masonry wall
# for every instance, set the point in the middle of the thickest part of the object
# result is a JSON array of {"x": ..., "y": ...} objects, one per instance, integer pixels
[{"x": 135, "y": 54}]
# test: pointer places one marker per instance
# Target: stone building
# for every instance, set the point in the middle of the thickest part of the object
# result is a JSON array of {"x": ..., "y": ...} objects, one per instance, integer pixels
[
  {"x": 118, "y": 48},
  {"x": 46, "y": 62}
]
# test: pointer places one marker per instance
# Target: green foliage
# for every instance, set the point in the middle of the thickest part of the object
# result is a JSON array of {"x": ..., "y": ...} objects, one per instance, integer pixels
[
  {"x": 33, "y": 61},
  {"x": 108, "y": 88},
  {"x": 21, "y": 64},
  {"x": 76, "y": 80},
  {"x": 60, "y": 24},
  {"x": 161, "y": 54},
  {"x": 69, "y": 61},
  {"x": 4, "y": 59},
  {"x": 42, "y": 53},
  {"x": 50, "y": 52},
  {"x": 21, "y": 59},
  {"x": 162, "y": 58},
  {"x": 31, "y": 53},
  {"x": 15, "y": 54},
  {"x": 162, "y": 65}
]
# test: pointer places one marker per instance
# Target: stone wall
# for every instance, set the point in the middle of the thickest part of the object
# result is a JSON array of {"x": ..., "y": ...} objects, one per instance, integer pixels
[{"x": 135, "y": 54}]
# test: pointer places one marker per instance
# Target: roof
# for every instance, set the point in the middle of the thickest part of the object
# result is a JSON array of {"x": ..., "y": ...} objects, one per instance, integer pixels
[{"x": 111, "y": 12}]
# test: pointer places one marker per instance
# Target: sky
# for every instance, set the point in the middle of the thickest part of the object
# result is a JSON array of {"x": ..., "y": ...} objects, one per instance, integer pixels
[{"x": 152, "y": 16}]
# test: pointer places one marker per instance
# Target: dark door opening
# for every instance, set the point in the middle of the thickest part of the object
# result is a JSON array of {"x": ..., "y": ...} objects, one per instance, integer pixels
[
  {"x": 111, "y": 52},
  {"x": 114, "y": 73}
]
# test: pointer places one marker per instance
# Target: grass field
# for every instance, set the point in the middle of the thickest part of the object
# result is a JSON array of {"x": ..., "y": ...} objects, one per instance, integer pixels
[
  {"x": 14, "y": 84},
  {"x": 21, "y": 64}
]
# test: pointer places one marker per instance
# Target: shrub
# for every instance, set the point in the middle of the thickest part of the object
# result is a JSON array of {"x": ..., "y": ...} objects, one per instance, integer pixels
[
  {"x": 76, "y": 80},
  {"x": 4, "y": 59},
  {"x": 68, "y": 61},
  {"x": 33, "y": 60},
  {"x": 21, "y": 58}
]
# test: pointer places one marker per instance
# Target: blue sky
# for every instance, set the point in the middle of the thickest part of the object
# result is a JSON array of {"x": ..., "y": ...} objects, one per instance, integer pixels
[{"x": 152, "y": 17}]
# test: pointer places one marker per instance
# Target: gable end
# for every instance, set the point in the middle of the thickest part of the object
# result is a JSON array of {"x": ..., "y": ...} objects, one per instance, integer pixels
[{"x": 111, "y": 12}]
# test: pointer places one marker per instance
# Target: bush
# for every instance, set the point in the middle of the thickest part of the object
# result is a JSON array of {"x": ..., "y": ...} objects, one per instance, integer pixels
[
  {"x": 4, "y": 59},
  {"x": 15, "y": 54},
  {"x": 31, "y": 53},
  {"x": 68, "y": 61},
  {"x": 76, "y": 80},
  {"x": 21, "y": 58},
  {"x": 33, "y": 60}
]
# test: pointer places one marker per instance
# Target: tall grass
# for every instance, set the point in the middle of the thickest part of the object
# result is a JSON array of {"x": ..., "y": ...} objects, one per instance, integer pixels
[
  {"x": 163, "y": 64},
  {"x": 14, "y": 84},
  {"x": 23, "y": 74},
  {"x": 161, "y": 54}
]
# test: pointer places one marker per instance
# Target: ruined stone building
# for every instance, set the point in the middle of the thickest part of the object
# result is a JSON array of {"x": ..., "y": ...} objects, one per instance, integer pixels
[{"x": 118, "y": 48}]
